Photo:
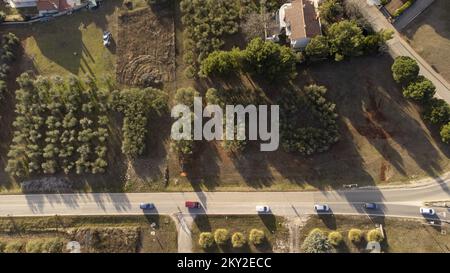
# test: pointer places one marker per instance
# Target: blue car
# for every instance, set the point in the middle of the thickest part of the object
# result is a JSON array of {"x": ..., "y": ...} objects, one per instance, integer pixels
[
  {"x": 370, "y": 206},
  {"x": 146, "y": 206}
]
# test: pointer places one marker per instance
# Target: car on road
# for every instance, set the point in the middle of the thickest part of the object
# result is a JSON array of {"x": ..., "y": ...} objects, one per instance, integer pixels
[
  {"x": 262, "y": 209},
  {"x": 427, "y": 211},
  {"x": 192, "y": 204},
  {"x": 321, "y": 208},
  {"x": 370, "y": 206},
  {"x": 146, "y": 206}
]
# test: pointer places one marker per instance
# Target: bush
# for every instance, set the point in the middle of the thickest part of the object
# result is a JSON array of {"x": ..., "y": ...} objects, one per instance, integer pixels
[
  {"x": 53, "y": 245},
  {"x": 316, "y": 242},
  {"x": 238, "y": 240},
  {"x": 374, "y": 235},
  {"x": 221, "y": 236},
  {"x": 404, "y": 7},
  {"x": 14, "y": 247},
  {"x": 256, "y": 236},
  {"x": 2, "y": 246},
  {"x": 2, "y": 16},
  {"x": 221, "y": 63},
  {"x": 335, "y": 238},
  {"x": 34, "y": 246},
  {"x": 445, "y": 133},
  {"x": 420, "y": 90},
  {"x": 355, "y": 235},
  {"x": 206, "y": 240},
  {"x": 437, "y": 111},
  {"x": 405, "y": 70}
]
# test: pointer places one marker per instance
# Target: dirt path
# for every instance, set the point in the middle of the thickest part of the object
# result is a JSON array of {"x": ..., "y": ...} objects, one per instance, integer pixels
[
  {"x": 184, "y": 223},
  {"x": 295, "y": 224}
]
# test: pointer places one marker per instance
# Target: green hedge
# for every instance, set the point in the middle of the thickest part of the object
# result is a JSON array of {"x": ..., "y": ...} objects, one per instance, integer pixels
[{"x": 401, "y": 9}]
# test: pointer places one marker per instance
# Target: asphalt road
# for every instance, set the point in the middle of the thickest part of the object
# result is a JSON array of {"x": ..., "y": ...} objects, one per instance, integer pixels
[{"x": 403, "y": 202}]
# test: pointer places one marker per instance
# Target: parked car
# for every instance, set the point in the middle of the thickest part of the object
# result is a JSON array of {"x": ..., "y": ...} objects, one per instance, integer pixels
[
  {"x": 192, "y": 204},
  {"x": 370, "y": 206},
  {"x": 427, "y": 211},
  {"x": 145, "y": 206},
  {"x": 107, "y": 36},
  {"x": 262, "y": 209},
  {"x": 321, "y": 208}
]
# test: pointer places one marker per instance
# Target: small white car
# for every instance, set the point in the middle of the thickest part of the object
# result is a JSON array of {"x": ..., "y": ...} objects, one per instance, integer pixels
[
  {"x": 321, "y": 208},
  {"x": 427, "y": 211},
  {"x": 262, "y": 209}
]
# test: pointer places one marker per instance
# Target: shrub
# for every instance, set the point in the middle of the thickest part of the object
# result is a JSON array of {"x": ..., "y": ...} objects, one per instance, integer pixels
[
  {"x": 374, "y": 235},
  {"x": 2, "y": 246},
  {"x": 34, "y": 246},
  {"x": 437, "y": 111},
  {"x": 256, "y": 236},
  {"x": 14, "y": 247},
  {"x": 2, "y": 16},
  {"x": 355, "y": 235},
  {"x": 316, "y": 242},
  {"x": 221, "y": 236},
  {"x": 420, "y": 90},
  {"x": 53, "y": 245},
  {"x": 404, "y": 7},
  {"x": 335, "y": 238},
  {"x": 445, "y": 133},
  {"x": 238, "y": 240},
  {"x": 221, "y": 63},
  {"x": 206, "y": 240},
  {"x": 405, "y": 69}
]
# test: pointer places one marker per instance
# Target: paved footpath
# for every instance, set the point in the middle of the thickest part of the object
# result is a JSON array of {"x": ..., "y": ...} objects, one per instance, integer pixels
[{"x": 399, "y": 47}]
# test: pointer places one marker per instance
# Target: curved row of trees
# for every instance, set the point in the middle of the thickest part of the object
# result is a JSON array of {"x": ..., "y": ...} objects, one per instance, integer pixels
[{"x": 419, "y": 89}]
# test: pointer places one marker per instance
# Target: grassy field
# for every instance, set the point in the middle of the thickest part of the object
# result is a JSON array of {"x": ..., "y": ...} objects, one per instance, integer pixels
[
  {"x": 273, "y": 226},
  {"x": 402, "y": 235},
  {"x": 117, "y": 233},
  {"x": 72, "y": 44},
  {"x": 429, "y": 35}
]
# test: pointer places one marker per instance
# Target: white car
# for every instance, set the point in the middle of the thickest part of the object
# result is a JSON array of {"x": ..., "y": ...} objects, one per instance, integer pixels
[
  {"x": 262, "y": 209},
  {"x": 321, "y": 208},
  {"x": 427, "y": 211}
]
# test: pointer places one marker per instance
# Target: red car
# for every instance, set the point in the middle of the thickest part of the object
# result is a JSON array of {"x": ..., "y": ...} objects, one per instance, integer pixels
[{"x": 192, "y": 204}]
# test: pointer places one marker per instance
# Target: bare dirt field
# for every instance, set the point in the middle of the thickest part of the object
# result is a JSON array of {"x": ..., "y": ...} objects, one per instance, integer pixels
[
  {"x": 146, "y": 47},
  {"x": 106, "y": 234},
  {"x": 429, "y": 35},
  {"x": 383, "y": 140}
]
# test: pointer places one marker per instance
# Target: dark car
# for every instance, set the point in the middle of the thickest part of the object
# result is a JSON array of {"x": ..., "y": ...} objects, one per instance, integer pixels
[
  {"x": 370, "y": 206},
  {"x": 192, "y": 204},
  {"x": 147, "y": 206}
]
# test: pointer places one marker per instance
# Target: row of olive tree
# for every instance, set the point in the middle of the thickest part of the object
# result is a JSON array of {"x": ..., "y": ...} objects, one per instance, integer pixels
[
  {"x": 205, "y": 23},
  {"x": 8, "y": 47},
  {"x": 60, "y": 125},
  {"x": 405, "y": 71}
]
